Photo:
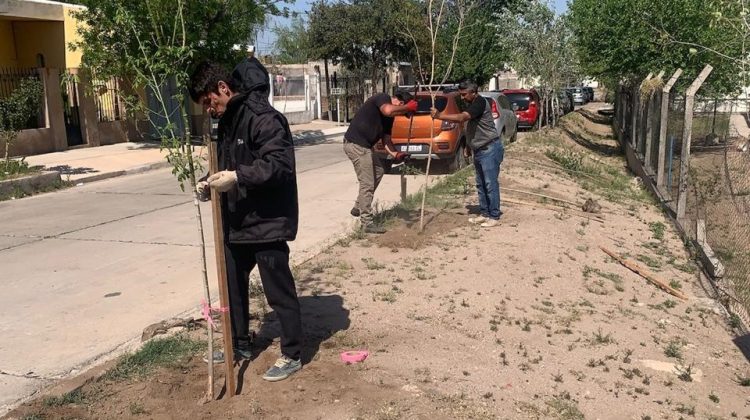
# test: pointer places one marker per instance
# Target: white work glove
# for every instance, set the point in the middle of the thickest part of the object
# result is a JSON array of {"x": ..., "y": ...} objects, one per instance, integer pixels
[
  {"x": 202, "y": 191},
  {"x": 223, "y": 181}
]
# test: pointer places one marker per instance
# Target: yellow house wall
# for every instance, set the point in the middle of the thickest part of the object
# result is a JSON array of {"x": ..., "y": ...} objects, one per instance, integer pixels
[
  {"x": 72, "y": 58},
  {"x": 47, "y": 38},
  {"x": 7, "y": 45}
]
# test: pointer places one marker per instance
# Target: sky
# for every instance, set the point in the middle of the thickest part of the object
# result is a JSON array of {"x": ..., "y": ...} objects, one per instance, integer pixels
[{"x": 267, "y": 38}]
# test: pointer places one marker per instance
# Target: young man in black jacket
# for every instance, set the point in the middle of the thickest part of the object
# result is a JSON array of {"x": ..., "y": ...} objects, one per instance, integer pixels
[{"x": 258, "y": 186}]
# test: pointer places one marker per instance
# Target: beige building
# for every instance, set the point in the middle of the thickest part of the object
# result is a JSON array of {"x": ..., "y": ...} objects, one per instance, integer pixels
[{"x": 36, "y": 38}]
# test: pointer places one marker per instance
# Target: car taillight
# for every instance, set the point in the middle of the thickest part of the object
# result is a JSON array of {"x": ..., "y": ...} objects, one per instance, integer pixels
[
  {"x": 447, "y": 125},
  {"x": 495, "y": 113}
]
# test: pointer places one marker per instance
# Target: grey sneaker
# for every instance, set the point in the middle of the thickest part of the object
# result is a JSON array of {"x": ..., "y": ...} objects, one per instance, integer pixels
[
  {"x": 283, "y": 368},
  {"x": 239, "y": 355}
]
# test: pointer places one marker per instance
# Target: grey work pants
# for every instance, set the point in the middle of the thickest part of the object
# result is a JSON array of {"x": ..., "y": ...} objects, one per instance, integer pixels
[{"x": 369, "y": 168}]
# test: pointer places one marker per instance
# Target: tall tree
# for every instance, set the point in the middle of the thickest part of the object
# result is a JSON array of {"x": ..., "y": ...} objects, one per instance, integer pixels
[
  {"x": 292, "y": 42},
  {"x": 478, "y": 55},
  {"x": 627, "y": 39},
  {"x": 542, "y": 47},
  {"x": 363, "y": 35}
]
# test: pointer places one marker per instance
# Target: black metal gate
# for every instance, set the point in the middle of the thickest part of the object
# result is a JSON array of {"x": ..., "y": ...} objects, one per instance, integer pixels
[{"x": 71, "y": 109}]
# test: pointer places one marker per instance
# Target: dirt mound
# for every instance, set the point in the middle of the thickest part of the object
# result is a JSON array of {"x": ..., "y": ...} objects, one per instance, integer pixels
[{"x": 403, "y": 232}]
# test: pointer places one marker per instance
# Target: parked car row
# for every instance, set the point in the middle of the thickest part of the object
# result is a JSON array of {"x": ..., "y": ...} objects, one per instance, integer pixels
[
  {"x": 581, "y": 94},
  {"x": 512, "y": 109}
]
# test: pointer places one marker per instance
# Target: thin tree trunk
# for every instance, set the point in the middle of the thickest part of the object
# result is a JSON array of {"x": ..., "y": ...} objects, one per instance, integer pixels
[
  {"x": 427, "y": 170},
  {"x": 188, "y": 150}
]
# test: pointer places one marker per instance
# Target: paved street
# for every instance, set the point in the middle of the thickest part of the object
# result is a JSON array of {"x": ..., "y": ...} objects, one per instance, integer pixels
[{"x": 84, "y": 270}]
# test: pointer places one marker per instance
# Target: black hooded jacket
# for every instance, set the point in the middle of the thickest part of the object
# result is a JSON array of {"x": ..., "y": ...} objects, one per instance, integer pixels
[{"x": 255, "y": 141}]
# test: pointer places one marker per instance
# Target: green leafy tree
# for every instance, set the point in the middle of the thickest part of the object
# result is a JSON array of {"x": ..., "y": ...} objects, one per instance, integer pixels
[
  {"x": 292, "y": 42},
  {"x": 478, "y": 55},
  {"x": 363, "y": 35},
  {"x": 627, "y": 39},
  {"x": 542, "y": 48},
  {"x": 15, "y": 112}
]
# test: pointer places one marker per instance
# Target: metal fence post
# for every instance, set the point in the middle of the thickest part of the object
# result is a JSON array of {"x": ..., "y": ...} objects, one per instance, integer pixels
[
  {"x": 318, "y": 98},
  {"x": 686, "y": 133},
  {"x": 660, "y": 178}
]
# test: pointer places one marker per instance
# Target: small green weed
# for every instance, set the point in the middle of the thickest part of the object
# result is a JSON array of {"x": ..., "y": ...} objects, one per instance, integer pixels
[
  {"x": 73, "y": 397},
  {"x": 156, "y": 353},
  {"x": 657, "y": 230}
]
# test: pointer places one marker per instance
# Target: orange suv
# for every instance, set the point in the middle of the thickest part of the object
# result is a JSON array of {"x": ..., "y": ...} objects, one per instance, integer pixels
[{"x": 448, "y": 142}]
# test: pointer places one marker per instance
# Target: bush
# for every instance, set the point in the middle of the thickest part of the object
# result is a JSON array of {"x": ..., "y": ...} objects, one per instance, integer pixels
[{"x": 17, "y": 109}]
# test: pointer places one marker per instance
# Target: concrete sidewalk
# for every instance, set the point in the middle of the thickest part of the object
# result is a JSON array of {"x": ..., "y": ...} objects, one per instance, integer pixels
[{"x": 90, "y": 164}]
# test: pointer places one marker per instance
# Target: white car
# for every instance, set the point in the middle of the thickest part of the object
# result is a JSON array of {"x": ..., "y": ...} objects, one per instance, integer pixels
[{"x": 506, "y": 122}]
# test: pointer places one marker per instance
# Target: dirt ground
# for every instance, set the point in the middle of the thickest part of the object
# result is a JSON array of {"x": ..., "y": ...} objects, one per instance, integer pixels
[{"x": 528, "y": 320}]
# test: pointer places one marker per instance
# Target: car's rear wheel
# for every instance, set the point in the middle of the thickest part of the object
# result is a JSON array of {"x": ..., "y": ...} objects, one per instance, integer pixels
[{"x": 459, "y": 160}]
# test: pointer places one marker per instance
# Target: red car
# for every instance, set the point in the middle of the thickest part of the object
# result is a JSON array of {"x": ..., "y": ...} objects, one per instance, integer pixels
[{"x": 526, "y": 104}]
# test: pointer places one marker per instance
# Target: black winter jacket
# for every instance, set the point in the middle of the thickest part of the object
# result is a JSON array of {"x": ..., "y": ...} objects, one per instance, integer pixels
[{"x": 255, "y": 141}]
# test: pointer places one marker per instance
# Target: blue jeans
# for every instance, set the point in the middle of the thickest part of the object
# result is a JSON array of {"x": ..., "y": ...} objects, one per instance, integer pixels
[{"x": 487, "y": 170}]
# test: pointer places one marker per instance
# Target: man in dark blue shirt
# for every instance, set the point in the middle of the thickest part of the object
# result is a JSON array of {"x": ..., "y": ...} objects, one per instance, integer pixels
[{"x": 372, "y": 123}]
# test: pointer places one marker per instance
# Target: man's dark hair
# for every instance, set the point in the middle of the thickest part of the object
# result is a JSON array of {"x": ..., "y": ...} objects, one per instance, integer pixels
[
  {"x": 206, "y": 78},
  {"x": 468, "y": 85},
  {"x": 404, "y": 96}
]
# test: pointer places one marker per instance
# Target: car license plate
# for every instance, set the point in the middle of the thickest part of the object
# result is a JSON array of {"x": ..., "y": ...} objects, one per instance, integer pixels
[{"x": 411, "y": 148}]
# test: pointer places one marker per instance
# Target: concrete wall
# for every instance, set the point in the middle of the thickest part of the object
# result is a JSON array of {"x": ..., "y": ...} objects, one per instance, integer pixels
[
  {"x": 47, "y": 38},
  {"x": 7, "y": 45},
  {"x": 72, "y": 58},
  {"x": 112, "y": 132},
  {"x": 31, "y": 142},
  {"x": 29, "y": 28}
]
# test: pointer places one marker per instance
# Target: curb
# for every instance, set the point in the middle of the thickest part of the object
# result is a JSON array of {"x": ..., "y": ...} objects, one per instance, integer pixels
[
  {"x": 130, "y": 171},
  {"x": 299, "y": 139},
  {"x": 30, "y": 183}
]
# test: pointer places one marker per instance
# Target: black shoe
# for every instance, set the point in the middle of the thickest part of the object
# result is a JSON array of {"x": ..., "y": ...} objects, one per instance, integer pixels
[
  {"x": 373, "y": 228},
  {"x": 355, "y": 212}
]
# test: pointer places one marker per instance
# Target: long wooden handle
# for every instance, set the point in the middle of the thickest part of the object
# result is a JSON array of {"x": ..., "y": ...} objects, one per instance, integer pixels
[
  {"x": 645, "y": 274},
  {"x": 221, "y": 268}
]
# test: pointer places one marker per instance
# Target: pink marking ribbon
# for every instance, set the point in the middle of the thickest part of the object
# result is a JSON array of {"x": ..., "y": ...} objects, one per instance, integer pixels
[
  {"x": 206, "y": 311},
  {"x": 350, "y": 357}
]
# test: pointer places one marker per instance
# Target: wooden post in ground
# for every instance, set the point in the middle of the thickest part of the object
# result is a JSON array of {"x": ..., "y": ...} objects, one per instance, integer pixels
[
  {"x": 686, "y": 134},
  {"x": 638, "y": 117},
  {"x": 650, "y": 125},
  {"x": 221, "y": 268},
  {"x": 661, "y": 178}
]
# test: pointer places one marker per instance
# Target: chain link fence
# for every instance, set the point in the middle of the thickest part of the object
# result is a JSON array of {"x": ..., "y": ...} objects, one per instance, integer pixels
[{"x": 708, "y": 193}]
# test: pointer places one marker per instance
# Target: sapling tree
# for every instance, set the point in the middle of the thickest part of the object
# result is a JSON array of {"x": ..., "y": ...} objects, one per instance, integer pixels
[{"x": 436, "y": 19}]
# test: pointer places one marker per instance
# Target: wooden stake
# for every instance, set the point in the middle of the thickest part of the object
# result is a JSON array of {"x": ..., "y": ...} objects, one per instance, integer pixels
[
  {"x": 637, "y": 269},
  {"x": 542, "y": 196},
  {"x": 221, "y": 267}
]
